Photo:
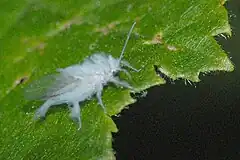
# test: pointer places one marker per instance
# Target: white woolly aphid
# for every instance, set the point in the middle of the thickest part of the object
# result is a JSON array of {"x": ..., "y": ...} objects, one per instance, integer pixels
[{"x": 79, "y": 82}]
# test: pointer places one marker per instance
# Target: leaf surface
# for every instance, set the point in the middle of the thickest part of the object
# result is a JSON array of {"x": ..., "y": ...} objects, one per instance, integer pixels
[{"x": 39, "y": 36}]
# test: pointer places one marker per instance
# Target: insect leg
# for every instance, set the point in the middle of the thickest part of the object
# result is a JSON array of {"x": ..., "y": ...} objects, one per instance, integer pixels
[
  {"x": 122, "y": 83},
  {"x": 126, "y": 72},
  {"x": 99, "y": 98},
  {"x": 41, "y": 111},
  {"x": 75, "y": 113},
  {"x": 125, "y": 63}
]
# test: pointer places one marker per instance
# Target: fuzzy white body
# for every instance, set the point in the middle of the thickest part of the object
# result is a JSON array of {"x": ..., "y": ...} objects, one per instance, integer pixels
[
  {"x": 82, "y": 81},
  {"x": 91, "y": 76},
  {"x": 79, "y": 82}
]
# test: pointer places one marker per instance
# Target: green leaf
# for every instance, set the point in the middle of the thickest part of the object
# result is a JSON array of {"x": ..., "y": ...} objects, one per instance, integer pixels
[{"x": 39, "y": 36}]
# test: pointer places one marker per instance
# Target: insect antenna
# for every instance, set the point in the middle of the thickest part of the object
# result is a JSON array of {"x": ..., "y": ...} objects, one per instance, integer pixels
[{"x": 125, "y": 44}]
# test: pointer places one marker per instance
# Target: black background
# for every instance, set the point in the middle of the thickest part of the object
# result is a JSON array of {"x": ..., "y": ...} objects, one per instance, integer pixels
[{"x": 178, "y": 121}]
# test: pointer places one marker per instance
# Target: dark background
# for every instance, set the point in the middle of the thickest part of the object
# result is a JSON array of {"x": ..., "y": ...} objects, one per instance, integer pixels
[{"x": 195, "y": 122}]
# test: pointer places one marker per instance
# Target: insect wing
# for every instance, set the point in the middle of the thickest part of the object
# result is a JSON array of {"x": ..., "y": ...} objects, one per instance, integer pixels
[{"x": 50, "y": 86}]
